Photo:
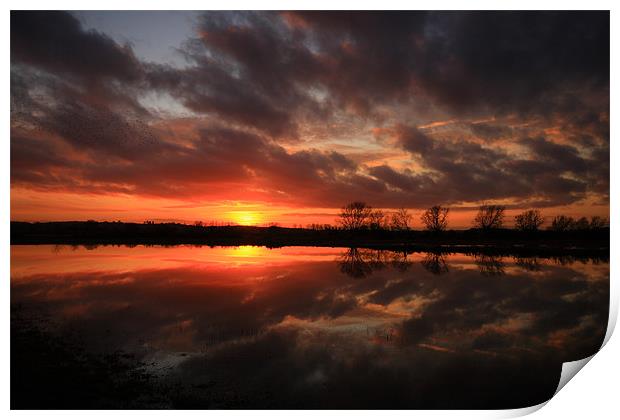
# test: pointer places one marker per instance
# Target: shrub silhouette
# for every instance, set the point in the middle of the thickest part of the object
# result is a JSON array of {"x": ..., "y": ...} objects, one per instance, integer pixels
[
  {"x": 581, "y": 224},
  {"x": 562, "y": 223},
  {"x": 355, "y": 215},
  {"x": 435, "y": 218},
  {"x": 377, "y": 220},
  {"x": 529, "y": 220},
  {"x": 401, "y": 220},
  {"x": 597, "y": 222},
  {"x": 489, "y": 217}
]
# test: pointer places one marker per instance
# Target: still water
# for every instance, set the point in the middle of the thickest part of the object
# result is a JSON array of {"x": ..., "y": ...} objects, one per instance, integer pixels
[{"x": 296, "y": 327}]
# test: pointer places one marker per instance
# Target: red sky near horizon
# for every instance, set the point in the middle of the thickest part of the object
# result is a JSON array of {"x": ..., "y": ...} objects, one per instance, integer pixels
[{"x": 283, "y": 117}]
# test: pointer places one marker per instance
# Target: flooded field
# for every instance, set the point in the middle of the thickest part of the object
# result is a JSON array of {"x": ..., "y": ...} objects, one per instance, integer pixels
[{"x": 296, "y": 327}]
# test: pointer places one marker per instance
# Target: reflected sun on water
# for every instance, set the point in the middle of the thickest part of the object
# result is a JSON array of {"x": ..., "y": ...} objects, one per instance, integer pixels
[{"x": 311, "y": 327}]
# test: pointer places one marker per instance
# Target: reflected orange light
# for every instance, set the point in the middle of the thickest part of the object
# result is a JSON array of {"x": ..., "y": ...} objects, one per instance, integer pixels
[
  {"x": 28, "y": 260},
  {"x": 248, "y": 251}
]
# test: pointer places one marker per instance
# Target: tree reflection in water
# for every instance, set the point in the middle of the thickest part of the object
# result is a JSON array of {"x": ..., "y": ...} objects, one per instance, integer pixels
[
  {"x": 435, "y": 262},
  {"x": 489, "y": 265},
  {"x": 353, "y": 263},
  {"x": 528, "y": 263},
  {"x": 291, "y": 328},
  {"x": 359, "y": 263}
]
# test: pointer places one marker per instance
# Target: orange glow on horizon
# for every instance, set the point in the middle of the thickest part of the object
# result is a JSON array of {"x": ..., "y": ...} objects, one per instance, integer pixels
[
  {"x": 35, "y": 206},
  {"x": 246, "y": 218}
]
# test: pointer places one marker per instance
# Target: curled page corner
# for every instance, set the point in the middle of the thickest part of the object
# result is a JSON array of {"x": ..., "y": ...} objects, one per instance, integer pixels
[
  {"x": 613, "y": 312},
  {"x": 569, "y": 370},
  {"x": 520, "y": 412}
]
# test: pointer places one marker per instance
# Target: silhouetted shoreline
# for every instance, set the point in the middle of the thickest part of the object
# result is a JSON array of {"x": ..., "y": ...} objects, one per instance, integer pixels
[{"x": 496, "y": 241}]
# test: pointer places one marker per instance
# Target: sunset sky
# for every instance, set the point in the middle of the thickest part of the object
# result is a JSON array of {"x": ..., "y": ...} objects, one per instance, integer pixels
[{"x": 254, "y": 118}]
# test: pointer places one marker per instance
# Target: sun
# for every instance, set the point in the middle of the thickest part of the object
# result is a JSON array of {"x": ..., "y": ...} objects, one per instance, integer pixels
[{"x": 246, "y": 218}]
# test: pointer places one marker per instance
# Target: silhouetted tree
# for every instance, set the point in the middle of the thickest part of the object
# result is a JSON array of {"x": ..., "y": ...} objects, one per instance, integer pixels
[
  {"x": 597, "y": 222},
  {"x": 355, "y": 215},
  {"x": 376, "y": 219},
  {"x": 529, "y": 220},
  {"x": 319, "y": 226},
  {"x": 401, "y": 219},
  {"x": 562, "y": 223},
  {"x": 436, "y": 218},
  {"x": 489, "y": 217},
  {"x": 581, "y": 224}
]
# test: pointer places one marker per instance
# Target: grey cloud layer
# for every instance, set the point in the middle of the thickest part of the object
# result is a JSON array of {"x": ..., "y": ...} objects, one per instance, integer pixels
[{"x": 262, "y": 77}]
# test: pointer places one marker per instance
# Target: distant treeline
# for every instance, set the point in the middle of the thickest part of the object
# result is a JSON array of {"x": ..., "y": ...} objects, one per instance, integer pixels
[
  {"x": 92, "y": 232},
  {"x": 359, "y": 215}
]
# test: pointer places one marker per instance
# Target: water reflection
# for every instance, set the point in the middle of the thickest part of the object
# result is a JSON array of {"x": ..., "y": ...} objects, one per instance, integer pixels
[
  {"x": 490, "y": 265},
  {"x": 309, "y": 327},
  {"x": 435, "y": 263},
  {"x": 528, "y": 263},
  {"x": 358, "y": 263}
]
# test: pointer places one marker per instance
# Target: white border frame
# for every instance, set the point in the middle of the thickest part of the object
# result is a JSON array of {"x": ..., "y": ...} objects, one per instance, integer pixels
[{"x": 592, "y": 394}]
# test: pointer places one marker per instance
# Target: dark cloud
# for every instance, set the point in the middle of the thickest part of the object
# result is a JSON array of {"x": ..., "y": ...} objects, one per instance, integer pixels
[
  {"x": 465, "y": 170},
  {"x": 106, "y": 132},
  {"x": 118, "y": 154},
  {"x": 556, "y": 157},
  {"x": 260, "y": 68},
  {"x": 209, "y": 90},
  {"x": 124, "y": 154},
  {"x": 257, "y": 81},
  {"x": 406, "y": 182},
  {"x": 413, "y": 140},
  {"x": 377, "y": 51},
  {"x": 507, "y": 60},
  {"x": 491, "y": 132},
  {"x": 268, "y": 63},
  {"x": 55, "y": 41},
  {"x": 521, "y": 62},
  {"x": 246, "y": 68}
]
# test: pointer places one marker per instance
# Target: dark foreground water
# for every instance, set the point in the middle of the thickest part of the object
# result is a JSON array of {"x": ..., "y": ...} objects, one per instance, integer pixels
[{"x": 249, "y": 327}]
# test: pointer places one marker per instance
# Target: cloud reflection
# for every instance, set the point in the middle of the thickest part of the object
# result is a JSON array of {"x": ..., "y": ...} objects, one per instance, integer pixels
[{"x": 372, "y": 329}]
